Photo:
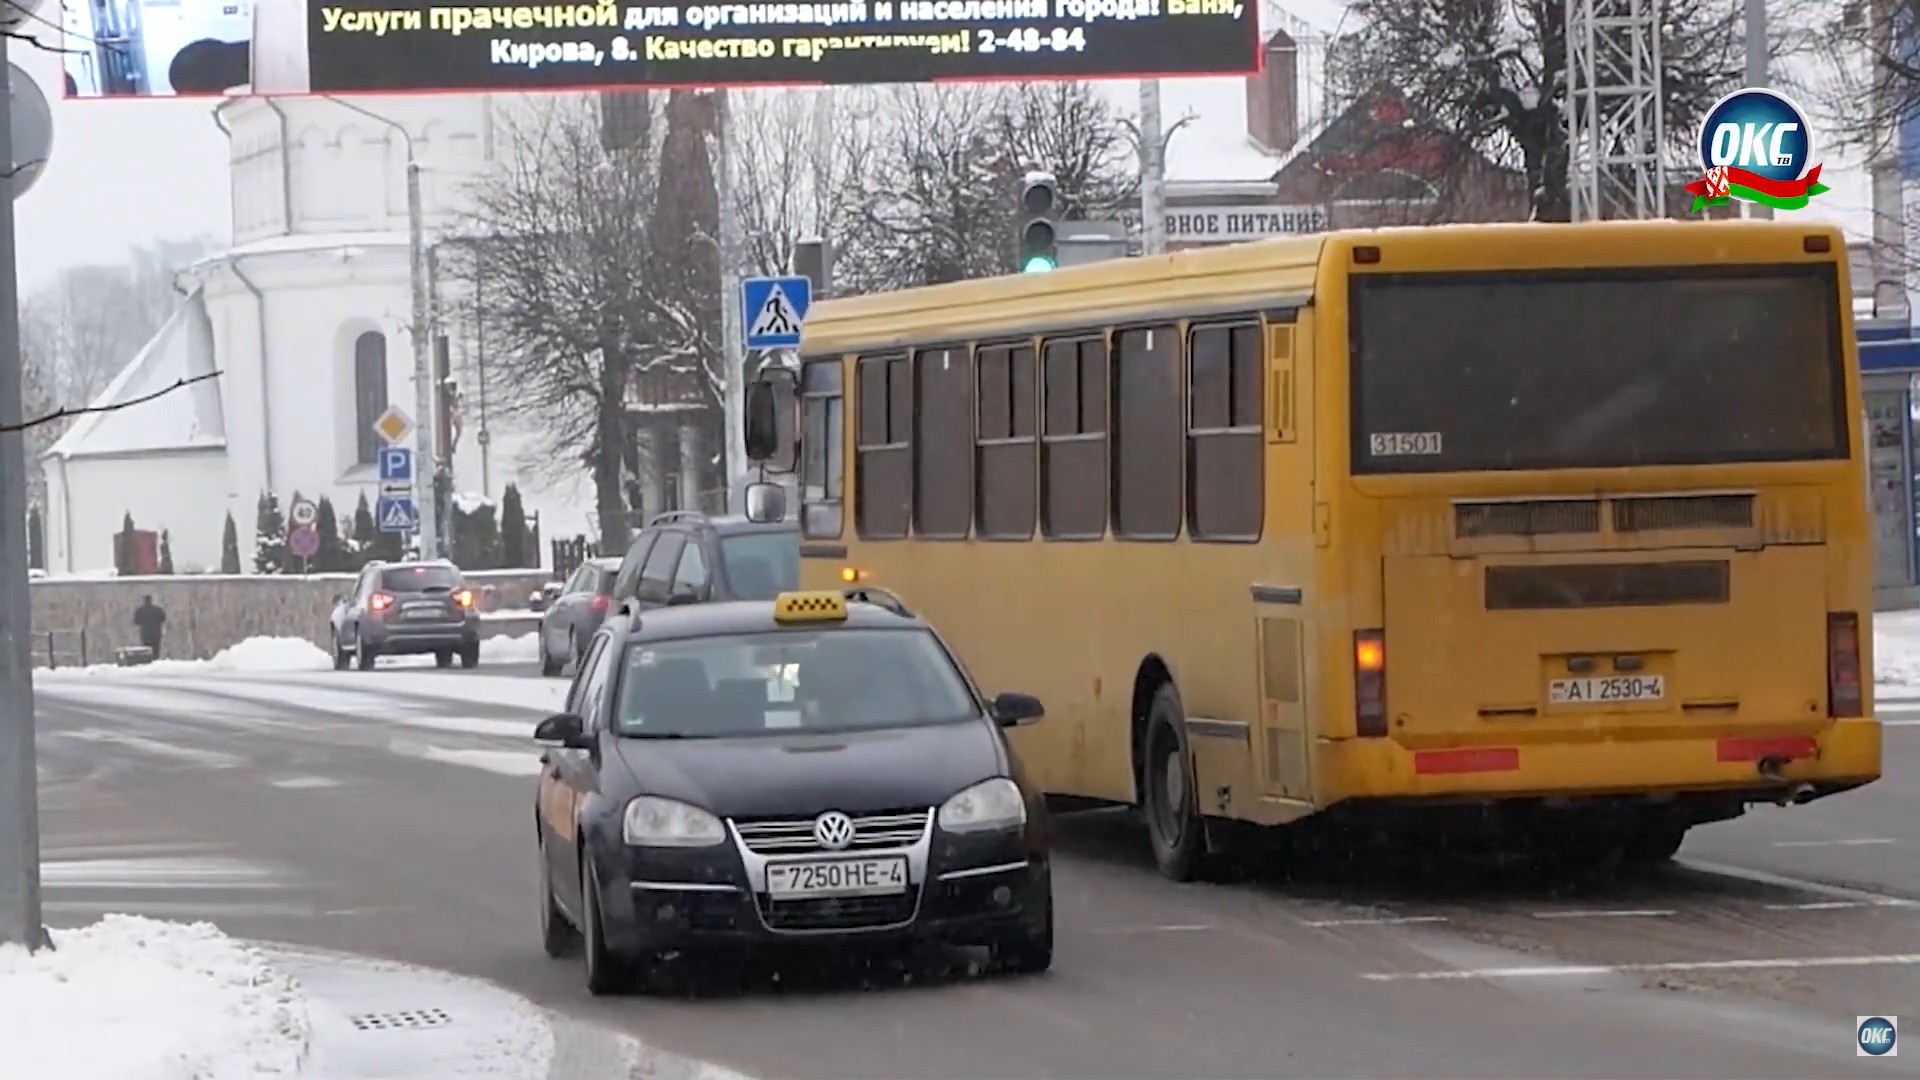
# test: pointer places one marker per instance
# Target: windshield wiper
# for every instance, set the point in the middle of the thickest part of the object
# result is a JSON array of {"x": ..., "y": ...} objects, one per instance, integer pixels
[{"x": 664, "y": 735}]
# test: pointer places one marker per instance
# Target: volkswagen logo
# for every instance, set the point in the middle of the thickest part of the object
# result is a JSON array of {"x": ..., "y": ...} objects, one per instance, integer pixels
[{"x": 833, "y": 830}]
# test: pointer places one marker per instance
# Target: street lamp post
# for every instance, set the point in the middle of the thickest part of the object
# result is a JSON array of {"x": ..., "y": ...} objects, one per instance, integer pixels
[{"x": 426, "y": 452}]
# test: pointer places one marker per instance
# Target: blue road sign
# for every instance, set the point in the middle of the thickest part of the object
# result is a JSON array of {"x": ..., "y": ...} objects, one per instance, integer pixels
[
  {"x": 396, "y": 515},
  {"x": 396, "y": 464},
  {"x": 773, "y": 310}
]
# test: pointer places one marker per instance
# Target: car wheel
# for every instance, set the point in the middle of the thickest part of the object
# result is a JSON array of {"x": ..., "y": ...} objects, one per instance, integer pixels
[
  {"x": 342, "y": 657},
  {"x": 1171, "y": 808},
  {"x": 443, "y": 658},
  {"x": 607, "y": 972},
  {"x": 1029, "y": 953},
  {"x": 549, "y": 666},
  {"x": 574, "y": 652},
  {"x": 470, "y": 655},
  {"x": 363, "y": 655},
  {"x": 557, "y": 936}
]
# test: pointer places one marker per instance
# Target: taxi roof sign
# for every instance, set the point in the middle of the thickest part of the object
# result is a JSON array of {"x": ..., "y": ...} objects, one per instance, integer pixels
[{"x": 804, "y": 607}]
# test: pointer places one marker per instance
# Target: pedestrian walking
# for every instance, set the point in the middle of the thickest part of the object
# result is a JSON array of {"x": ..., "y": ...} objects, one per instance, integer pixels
[{"x": 151, "y": 620}]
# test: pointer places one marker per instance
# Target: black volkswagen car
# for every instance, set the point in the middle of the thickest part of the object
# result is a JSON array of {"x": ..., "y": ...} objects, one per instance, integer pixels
[{"x": 817, "y": 767}]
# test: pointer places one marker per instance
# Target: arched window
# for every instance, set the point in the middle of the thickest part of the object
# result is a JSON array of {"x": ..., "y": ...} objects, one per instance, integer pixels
[{"x": 369, "y": 393}]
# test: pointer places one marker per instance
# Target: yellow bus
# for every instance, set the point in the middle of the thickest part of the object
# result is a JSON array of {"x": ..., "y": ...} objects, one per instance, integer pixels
[{"x": 1558, "y": 527}]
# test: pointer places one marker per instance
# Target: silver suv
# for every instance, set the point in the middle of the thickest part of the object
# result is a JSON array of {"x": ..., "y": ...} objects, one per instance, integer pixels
[{"x": 403, "y": 609}]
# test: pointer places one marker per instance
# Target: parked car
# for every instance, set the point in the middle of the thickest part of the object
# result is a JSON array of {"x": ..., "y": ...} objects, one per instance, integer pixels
[
  {"x": 688, "y": 557},
  {"x": 407, "y": 608},
  {"x": 575, "y": 613}
]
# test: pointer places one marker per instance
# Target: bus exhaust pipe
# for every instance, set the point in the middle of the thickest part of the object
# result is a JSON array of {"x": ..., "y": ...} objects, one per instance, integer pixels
[{"x": 1792, "y": 792}]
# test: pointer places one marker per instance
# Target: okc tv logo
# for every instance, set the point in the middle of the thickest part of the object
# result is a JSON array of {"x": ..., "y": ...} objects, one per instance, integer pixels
[
  {"x": 1878, "y": 1036},
  {"x": 1756, "y": 146}
]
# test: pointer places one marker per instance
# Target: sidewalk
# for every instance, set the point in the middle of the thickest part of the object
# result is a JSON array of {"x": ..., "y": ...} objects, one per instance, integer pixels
[{"x": 374, "y": 1020}]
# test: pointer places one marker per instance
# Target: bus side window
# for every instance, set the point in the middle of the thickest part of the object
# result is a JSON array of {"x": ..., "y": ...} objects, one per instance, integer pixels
[
  {"x": 823, "y": 468},
  {"x": 942, "y": 443},
  {"x": 883, "y": 472},
  {"x": 1147, "y": 436},
  {"x": 1007, "y": 459},
  {"x": 1073, "y": 440},
  {"x": 1225, "y": 450}
]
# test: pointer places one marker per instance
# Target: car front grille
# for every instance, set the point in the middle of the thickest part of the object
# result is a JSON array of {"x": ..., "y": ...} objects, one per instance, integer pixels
[
  {"x": 794, "y": 836},
  {"x": 839, "y": 913}
]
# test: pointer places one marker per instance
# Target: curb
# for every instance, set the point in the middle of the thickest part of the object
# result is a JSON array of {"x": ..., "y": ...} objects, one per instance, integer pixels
[{"x": 376, "y": 1019}]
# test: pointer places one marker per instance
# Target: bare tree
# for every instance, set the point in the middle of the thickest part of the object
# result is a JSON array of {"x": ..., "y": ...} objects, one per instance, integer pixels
[
  {"x": 1492, "y": 73},
  {"x": 798, "y": 159},
  {"x": 935, "y": 199},
  {"x": 580, "y": 303}
]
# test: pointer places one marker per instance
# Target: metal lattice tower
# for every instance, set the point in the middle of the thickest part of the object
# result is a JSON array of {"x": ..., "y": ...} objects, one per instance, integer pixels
[{"x": 1616, "y": 128}]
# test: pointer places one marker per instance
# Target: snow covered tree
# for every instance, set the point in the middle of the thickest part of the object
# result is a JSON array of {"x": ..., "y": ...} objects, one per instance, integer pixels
[
  {"x": 513, "y": 529},
  {"x": 37, "y": 537},
  {"x": 230, "y": 546},
  {"x": 1492, "y": 74},
  {"x": 269, "y": 536},
  {"x": 562, "y": 243},
  {"x": 331, "y": 558},
  {"x": 166, "y": 552}
]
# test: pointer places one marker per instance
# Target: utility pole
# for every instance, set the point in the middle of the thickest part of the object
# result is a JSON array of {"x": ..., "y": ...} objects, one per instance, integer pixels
[
  {"x": 426, "y": 451},
  {"x": 20, "y": 915},
  {"x": 733, "y": 351},
  {"x": 1757, "y": 72},
  {"x": 1153, "y": 171}
]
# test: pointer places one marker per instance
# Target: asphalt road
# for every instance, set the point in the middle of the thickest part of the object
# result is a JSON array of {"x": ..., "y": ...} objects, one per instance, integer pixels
[{"x": 392, "y": 816}]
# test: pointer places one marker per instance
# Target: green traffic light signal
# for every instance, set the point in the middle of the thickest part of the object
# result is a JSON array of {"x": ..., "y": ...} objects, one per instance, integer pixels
[{"x": 1037, "y": 264}]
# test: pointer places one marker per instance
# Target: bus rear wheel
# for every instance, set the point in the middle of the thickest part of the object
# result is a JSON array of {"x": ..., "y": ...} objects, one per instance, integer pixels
[{"x": 1171, "y": 807}]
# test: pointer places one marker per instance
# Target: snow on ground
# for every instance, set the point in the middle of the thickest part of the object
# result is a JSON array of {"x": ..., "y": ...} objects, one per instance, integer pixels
[
  {"x": 262, "y": 655},
  {"x": 544, "y": 696},
  {"x": 137, "y": 999},
  {"x": 1896, "y": 653}
]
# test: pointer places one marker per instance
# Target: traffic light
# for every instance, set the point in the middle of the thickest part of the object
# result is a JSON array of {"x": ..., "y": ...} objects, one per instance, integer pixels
[{"x": 1038, "y": 218}]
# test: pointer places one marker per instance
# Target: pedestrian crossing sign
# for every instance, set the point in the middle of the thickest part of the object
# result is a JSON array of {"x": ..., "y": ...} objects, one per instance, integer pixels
[{"x": 774, "y": 309}]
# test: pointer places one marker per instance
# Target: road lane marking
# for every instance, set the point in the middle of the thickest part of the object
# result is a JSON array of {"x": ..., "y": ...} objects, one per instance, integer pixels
[
  {"x": 306, "y": 783},
  {"x": 1863, "y": 842},
  {"x": 208, "y": 759},
  {"x": 1550, "y": 971},
  {"x": 502, "y": 762},
  {"x": 1165, "y": 928},
  {"x": 1385, "y": 920},
  {"x": 1762, "y": 877},
  {"x": 1631, "y": 913},
  {"x": 1900, "y": 723},
  {"x": 1845, "y": 905}
]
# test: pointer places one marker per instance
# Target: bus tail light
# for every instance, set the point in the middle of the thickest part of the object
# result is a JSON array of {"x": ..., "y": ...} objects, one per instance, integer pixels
[
  {"x": 1844, "y": 697},
  {"x": 1370, "y": 682},
  {"x": 850, "y": 575}
]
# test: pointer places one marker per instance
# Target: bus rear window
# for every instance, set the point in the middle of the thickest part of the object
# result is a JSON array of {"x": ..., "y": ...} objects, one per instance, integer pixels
[{"x": 1596, "y": 368}]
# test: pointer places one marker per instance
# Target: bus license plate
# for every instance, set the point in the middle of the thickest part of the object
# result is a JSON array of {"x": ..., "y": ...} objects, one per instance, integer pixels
[
  {"x": 837, "y": 877},
  {"x": 1606, "y": 689}
]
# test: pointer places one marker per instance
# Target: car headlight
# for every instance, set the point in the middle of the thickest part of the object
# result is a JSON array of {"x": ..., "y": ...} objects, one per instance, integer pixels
[
  {"x": 989, "y": 804},
  {"x": 655, "y": 822}
]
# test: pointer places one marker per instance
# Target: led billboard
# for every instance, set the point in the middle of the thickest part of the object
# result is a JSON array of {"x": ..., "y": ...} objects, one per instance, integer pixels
[{"x": 182, "y": 47}]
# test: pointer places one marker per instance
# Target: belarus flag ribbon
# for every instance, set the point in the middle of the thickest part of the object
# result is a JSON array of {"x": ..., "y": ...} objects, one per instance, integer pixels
[{"x": 1723, "y": 182}]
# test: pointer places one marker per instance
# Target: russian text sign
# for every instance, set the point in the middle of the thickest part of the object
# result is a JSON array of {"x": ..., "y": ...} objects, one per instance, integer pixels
[{"x": 361, "y": 46}]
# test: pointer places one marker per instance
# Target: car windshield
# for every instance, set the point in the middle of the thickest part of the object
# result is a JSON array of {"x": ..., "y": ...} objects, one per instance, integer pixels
[
  {"x": 401, "y": 579},
  {"x": 790, "y": 680},
  {"x": 761, "y": 565}
]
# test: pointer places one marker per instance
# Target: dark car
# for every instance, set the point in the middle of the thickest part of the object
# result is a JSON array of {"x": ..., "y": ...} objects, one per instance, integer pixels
[
  {"x": 407, "y": 608},
  {"x": 689, "y": 556},
  {"x": 814, "y": 768},
  {"x": 575, "y": 613}
]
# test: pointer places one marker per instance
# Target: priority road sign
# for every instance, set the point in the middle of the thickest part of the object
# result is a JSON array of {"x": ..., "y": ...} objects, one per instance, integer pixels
[
  {"x": 396, "y": 515},
  {"x": 394, "y": 425},
  {"x": 773, "y": 310},
  {"x": 303, "y": 513},
  {"x": 396, "y": 465}
]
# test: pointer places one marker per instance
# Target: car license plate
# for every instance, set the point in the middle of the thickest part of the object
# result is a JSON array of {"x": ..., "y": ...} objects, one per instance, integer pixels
[
  {"x": 1606, "y": 689},
  {"x": 423, "y": 613},
  {"x": 837, "y": 877}
]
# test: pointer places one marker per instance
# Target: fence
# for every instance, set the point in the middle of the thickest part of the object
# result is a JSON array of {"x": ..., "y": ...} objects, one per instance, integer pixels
[
  {"x": 569, "y": 553},
  {"x": 54, "y": 648}
]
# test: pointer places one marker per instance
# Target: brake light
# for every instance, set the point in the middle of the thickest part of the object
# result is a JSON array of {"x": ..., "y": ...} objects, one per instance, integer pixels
[
  {"x": 380, "y": 601},
  {"x": 1370, "y": 683},
  {"x": 464, "y": 598},
  {"x": 600, "y": 602},
  {"x": 1844, "y": 696}
]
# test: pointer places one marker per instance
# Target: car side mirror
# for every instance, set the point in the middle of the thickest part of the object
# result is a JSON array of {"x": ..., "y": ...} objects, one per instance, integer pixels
[
  {"x": 1012, "y": 709},
  {"x": 339, "y": 598},
  {"x": 762, "y": 421},
  {"x": 564, "y": 730}
]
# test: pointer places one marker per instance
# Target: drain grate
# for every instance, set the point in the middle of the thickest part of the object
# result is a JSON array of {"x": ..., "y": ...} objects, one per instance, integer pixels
[{"x": 402, "y": 1020}]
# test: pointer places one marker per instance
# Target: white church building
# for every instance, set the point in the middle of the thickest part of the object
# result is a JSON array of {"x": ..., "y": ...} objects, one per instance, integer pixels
[{"x": 306, "y": 318}]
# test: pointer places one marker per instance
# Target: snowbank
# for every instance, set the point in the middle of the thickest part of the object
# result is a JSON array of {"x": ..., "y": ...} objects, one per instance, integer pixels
[
  {"x": 253, "y": 654},
  {"x": 137, "y": 999}
]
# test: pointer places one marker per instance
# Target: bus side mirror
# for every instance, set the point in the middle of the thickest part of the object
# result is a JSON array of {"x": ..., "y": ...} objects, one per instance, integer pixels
[
  {"x": 766, "y": 502},
  {"x": 762, "y": 422}
]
